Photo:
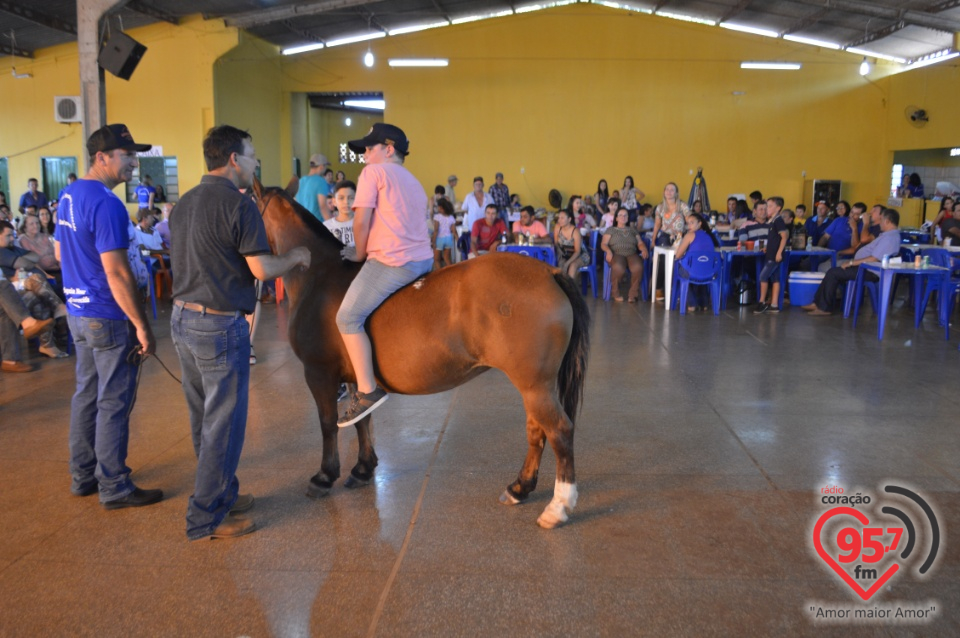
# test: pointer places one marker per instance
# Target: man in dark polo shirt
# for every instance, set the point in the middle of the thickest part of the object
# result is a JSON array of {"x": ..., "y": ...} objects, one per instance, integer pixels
[{"x": 218, "y": 250}]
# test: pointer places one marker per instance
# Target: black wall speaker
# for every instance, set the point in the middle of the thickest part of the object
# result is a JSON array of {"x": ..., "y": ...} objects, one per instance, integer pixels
[{"x": 120, "y": 55}]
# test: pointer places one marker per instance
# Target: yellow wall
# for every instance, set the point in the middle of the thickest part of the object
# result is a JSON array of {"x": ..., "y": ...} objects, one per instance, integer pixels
[
  {"x": 167, "y": 102},
  {"x": 573, "y": 94},
  {"x": 249, "y": 96}
]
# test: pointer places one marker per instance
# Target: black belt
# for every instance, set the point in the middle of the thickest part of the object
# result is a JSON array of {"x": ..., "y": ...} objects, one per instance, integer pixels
[{"x": 195, "y": 307}]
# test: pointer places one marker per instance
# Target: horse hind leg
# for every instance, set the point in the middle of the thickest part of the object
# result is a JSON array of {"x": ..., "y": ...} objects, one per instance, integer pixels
[
  {"x": 324, "y": 394},
  {"x": 559, "y": 432},
  {"x": 519, "y": 490}
]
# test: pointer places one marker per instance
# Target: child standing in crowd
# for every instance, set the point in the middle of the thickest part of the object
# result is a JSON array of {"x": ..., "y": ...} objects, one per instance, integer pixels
[
  {"x": 444, "y": 233},
  {"x": 341, "y": 225},
  {"x": 776, "y": 243}
]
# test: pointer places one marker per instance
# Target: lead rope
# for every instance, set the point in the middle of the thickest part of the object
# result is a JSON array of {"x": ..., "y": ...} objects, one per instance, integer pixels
[{"x": 137, "y": 359}]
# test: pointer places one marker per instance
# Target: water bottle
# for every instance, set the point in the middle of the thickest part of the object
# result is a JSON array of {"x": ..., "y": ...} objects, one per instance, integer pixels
[
  {"x": 809, "y": 243},
  {"x": 886, "y": 261},
  {"x": 21, "y": 279}
]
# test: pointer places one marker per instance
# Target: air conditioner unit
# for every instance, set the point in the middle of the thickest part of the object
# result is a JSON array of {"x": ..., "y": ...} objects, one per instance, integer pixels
[{"x": 67, "y": 108}]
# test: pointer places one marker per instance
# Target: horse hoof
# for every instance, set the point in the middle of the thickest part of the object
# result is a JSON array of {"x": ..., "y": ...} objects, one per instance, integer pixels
[
  {"x": 353, "y": 482},
  {"x": 553, "y": 516},
  {"x": 509, "y": 499},
  {"x": 317, "y": 488}
]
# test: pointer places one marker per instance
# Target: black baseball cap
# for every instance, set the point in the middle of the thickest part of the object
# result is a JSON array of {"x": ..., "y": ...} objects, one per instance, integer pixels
[
  {"x": 112, "y": 137},
  {"x": 382, "y": 134}
]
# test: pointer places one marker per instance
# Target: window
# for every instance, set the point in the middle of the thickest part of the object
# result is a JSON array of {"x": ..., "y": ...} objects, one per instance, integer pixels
[
  {"x": 162, "y": 172},
  {"x": 896, "y": 179},
  {"x": 349, "y": 157}
]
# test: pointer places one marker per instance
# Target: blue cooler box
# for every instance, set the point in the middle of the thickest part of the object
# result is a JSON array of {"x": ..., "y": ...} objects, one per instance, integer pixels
[{"x": 802, "y": 286}]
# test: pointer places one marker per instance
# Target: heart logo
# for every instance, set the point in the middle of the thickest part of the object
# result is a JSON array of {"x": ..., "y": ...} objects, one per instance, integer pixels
[{"x": 865, "y": 594}]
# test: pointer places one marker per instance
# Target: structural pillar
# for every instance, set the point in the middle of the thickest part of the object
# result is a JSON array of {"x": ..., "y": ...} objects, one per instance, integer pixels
[{"x": 92, "y": 83}]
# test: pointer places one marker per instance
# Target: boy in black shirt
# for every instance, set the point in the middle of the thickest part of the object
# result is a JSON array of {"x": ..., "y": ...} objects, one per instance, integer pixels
[{"x": 776, "y": 243}]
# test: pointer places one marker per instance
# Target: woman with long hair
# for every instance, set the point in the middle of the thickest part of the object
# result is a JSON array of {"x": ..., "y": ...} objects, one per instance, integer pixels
[
  {"x": 602, "y": 196},
  {"x": 624, "y": 249},
  {"x": 630, "y": 197},
  {"x": 579, "y": 215},
  {"x": 698, "y": 238},
  {"x": 670, "y": 218},
  {"x": 572, "y": 254}
]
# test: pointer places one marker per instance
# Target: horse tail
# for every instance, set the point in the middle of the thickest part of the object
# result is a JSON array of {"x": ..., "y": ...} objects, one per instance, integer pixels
[{"x": 573, "y": 368}]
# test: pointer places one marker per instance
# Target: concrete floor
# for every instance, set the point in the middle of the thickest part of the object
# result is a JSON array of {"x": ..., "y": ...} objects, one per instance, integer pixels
[{"x": 701, "y": 449}]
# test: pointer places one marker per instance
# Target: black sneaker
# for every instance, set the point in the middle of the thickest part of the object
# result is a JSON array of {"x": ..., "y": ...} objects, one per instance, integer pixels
[
  {"x": 761, "y": 308},
  {"x": 136, "y": 498},
  {"x": 362, "y": 405},
  {"x": 774, "y": 310}
]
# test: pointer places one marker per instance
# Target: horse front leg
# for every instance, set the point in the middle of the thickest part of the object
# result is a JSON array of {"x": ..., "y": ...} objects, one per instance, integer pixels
[
  {"x": 324, "y": 390},
  {"x": 545, "y": 410},
  {"x": 362, "y": 472}
]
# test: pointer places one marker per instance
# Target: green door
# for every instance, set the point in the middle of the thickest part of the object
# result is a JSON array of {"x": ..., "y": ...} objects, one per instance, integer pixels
[
  {"x": 5, "y": 181},
  {"x": 54, "y": 174}
]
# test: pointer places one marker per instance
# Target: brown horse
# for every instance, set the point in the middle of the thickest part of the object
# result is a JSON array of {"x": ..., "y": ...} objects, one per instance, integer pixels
[{"x": 436, "y": 334}]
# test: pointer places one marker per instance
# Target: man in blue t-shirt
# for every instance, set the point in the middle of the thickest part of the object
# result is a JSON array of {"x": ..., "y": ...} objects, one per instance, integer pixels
[
  {"x": 314, "y": 189},
  {"x": 106, "y": 319},
  {"x": 843, "y": 233},
  {"x": 145, "y": 193},
  {"x": 33, "y": 197}
]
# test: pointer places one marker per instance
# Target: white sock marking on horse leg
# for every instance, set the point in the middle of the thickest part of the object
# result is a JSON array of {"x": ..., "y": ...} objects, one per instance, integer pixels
[{"x": 564, "y": 500}]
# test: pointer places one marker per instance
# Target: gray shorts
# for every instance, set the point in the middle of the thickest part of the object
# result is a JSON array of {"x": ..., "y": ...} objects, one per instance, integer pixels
[{"x": 373, "y": 284}]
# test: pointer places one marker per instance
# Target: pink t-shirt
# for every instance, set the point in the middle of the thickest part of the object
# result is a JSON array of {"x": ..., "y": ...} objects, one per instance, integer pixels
[
  {"x": 398, "y": 228},
  {"x": 537, "y": 229}
]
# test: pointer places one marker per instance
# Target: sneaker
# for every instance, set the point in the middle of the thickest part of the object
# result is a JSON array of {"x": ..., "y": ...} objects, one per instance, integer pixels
[
  {"x": 362, "y": 405},
  {"x": 253, "y": 356},
  {"x": 774, "y": 310},
  {"x": 761, "y": 308},
  {"x": 136, "y": 498}
]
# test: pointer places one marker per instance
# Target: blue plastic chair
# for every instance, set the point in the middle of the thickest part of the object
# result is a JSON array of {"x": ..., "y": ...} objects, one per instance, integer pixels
[
  {"x": 938, "y": 257},
  {"x": 645, "y": 277},
  {"x": 702, "y": 268},
  {"x": 907, "y": 255},
  {"x": 590, "y": 270},
  {"x": 852, "y": 296}
]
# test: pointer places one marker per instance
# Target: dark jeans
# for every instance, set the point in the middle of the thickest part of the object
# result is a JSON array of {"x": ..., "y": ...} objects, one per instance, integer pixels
[
  {"x": 12, "y": 313},
  {"x": 826, "y": 294},
  {"x": 214, "y": 353},
  {"x": 100, "y": 411}
]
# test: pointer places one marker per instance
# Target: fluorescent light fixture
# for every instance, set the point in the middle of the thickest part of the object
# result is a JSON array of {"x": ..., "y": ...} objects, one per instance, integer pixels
[
  {"x": 378, "y": 105},
  {"x": 302, "y": 49},
  {"x": 771, "y": 66},
  {"x": 483, "y": 16},
  {"x": 874, "y": 54},
  {"x": 543, "y": 5},
  {"x": 368, "y": 59},
  {"x": 677, "y": 16},
  {"x": 621, "y": 5},
  {"x": 813, "y": 42},
  {"x": 746, "y": 29},
  {"x": 418, "y": 62},
  {"x": 933, "y": 58},
  {"x": 864, "y": 67},
  {"x": 418, "y": 27},
  {"x": 356, "y": 38}
]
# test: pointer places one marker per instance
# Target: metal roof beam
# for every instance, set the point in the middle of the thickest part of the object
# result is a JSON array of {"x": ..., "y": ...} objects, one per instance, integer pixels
[
  {"x": 258, "y": 18},
  {"x": 876, "y": 34},
  {"x": 908, "y": 16},
  {"x": 36, "y": 17},
  {"x": 7, "y": 49},
  {"x": 805, "y": 22},
  {"x": 146, "y": 9},
  {"x": 443, "y": 12},
  {"x": 735, "y": 11},
  {"x": 943, "y": 6}
]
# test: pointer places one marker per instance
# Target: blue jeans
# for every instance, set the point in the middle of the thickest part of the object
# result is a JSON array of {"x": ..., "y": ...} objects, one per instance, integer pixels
[
  {"x": 12, "y": 314},
  {"x": 371, "y": 287},
  {"x": 100, "y": 410},
  {"x": 214, "y": 353}
]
